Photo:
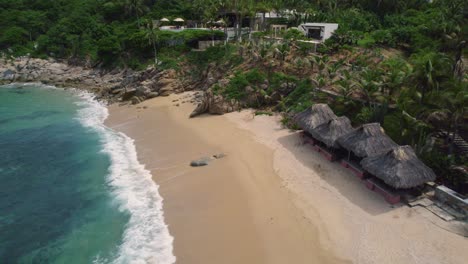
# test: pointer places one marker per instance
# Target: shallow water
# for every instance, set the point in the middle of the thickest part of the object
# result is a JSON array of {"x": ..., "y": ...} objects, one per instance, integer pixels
[{"x": 72, "y": 190}]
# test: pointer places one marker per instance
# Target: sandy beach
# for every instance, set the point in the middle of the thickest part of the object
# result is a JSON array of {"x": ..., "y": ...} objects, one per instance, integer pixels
[{"x": 270, "y": 199}]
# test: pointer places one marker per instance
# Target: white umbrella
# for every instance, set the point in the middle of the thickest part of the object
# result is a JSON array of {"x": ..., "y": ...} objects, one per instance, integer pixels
[
  {"x": 164, "y": 20},
  {"x": 179, "y": 20}
]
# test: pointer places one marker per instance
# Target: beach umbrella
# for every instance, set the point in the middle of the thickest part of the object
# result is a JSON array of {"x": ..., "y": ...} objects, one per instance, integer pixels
[
  {"x": 220, "y": 22},
  {"x": 179, "y": 20},
  {"x": 164, "y": 20},
  {"x": 367, "y": 140},
  {"x": 399, "y": 168}
]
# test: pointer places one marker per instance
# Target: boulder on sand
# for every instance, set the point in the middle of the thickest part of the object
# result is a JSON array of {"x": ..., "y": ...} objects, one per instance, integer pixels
[
  {"x": 128, "y": 94},
  {"x": 213, "y": 104},
  {"x": 200, "y": 162}
]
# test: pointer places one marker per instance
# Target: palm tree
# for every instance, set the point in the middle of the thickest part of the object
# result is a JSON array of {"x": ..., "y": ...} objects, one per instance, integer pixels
[
  {"x": 456, "y": 42},
  {"x": 150, "y": 34},
  {"x": 396, "y": 73},
  {"x": 370, "y": 83},
  {"x": 429, "y": 70},
  {"x": 345, "y": 84},
  {"x": 454, "y": 101}
]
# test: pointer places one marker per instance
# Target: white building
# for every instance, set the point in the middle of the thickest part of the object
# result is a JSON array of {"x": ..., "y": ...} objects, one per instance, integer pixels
[{"x": 318, "y": 31}]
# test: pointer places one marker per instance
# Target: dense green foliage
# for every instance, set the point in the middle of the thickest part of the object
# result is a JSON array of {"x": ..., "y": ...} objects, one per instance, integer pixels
[
  {"x": 403, "y": 62},
  {"x": 114, "y": 33},
  {"x": 104, "y": 30}
]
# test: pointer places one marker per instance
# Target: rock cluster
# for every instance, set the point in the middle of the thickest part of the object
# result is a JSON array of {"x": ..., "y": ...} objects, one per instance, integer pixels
[
  {"x": 214, "y": 104},
  {"x": 116, "y": 85},
  {"x": 205, "y": 160}
]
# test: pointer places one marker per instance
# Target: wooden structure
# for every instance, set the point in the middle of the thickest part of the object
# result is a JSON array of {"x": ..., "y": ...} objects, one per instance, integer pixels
[
  {"x": 312, "y": 118},
  {"x": 382, "y": 165},
  {"x": 276, "y": 29}
]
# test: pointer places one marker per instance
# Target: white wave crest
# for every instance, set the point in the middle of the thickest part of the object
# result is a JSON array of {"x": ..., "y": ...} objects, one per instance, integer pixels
[{"x": 146, "y": 238}]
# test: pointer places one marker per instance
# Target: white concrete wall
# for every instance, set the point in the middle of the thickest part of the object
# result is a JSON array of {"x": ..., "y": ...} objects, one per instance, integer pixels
[{"x": 329, "y": 28}]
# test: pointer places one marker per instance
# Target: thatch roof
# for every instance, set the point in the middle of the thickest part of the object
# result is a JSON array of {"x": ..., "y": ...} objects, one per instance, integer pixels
[
  {"x": 367, "y": 140},
  {"x": 399, "y": 168},
  {"x": 313, "y": 117},
  {"x": 330, "y": 131}
]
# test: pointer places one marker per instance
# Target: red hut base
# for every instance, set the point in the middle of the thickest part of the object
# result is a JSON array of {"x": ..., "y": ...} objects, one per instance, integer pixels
[
  {"x": 390, "y": 196},
  {"x": 361, "y": 174},
  {"x": 328, "y": 155}
]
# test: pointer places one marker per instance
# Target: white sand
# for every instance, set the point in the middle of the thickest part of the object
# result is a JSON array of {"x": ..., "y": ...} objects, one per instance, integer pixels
[
  {"x": 272, "y": 199},
  {"x": 355, "y": 222}
]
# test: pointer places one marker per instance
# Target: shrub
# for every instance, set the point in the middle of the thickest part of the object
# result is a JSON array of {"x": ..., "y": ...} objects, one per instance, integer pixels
[
  {"x": 267, "y": 113},
  {"x": 301, "y": 98},
  {"x": 277, "y": 79},
  {"x": 383, "y": 37},
  {"x": 13, "y": 36},
  {"x": 255, "y": 77},
  {"x": 108, "y": 49},
  {"x": 236, "y": 87},
  {"x": 293, "y": 34}
]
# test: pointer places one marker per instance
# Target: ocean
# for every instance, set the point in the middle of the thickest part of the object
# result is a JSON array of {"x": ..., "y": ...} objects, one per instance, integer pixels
[{"x": 72, "y": 189}]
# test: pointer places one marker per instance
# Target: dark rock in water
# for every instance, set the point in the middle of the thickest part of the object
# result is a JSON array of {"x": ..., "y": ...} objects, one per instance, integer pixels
[{"x": 200, "y": 162}]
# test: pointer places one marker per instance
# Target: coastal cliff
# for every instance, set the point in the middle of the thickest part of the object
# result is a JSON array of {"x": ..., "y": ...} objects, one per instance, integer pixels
[{"x": 111, "y": 85}]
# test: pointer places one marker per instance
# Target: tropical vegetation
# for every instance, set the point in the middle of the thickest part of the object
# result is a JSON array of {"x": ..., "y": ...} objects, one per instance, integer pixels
[{"x": 396, "y": 62}]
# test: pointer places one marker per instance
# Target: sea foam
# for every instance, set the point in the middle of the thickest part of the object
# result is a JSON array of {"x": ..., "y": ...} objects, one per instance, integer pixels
[{"x": 146, "y": 238}]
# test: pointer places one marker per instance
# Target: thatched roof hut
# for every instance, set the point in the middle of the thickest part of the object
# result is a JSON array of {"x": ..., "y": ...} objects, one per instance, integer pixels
[
  {"x": 314, "y": 116},
  {"x": 367, "y": 140},
  {"x": 330, "y": 131},
  {"x": 399, "y": 168}
]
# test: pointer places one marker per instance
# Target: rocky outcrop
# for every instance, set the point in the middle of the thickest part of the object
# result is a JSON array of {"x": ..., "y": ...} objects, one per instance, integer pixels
[
  {"x": 115, "y": 85},
  {"x": 214, "y": 104}
]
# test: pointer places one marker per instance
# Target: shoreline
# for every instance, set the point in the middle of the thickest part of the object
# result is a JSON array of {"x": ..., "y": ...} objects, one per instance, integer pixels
[
  {"x": 270, "y": 200},
  {"x": 235, "y": 210}
]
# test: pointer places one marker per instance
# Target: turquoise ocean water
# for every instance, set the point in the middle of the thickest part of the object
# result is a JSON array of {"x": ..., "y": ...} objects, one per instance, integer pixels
[{"x": 71, "y": 189}]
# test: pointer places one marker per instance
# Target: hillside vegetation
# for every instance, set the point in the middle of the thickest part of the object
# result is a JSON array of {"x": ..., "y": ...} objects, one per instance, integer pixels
[{"x": 396, "y": 62}]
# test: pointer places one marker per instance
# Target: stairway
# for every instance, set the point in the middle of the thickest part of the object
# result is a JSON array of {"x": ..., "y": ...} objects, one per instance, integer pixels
[{"x": 461, "y": 146}]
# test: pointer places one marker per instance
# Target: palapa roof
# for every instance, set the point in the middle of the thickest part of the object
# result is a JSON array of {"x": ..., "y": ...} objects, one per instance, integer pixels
[
  {"x": 314, "y": 116},
  {"x": 367, "y": 140},
  {"x": 330, "y": 131},
  {"x": 399, "y": 168}
]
